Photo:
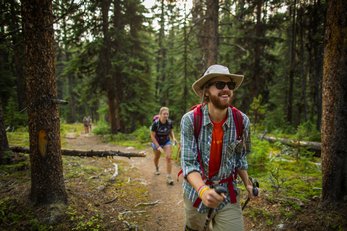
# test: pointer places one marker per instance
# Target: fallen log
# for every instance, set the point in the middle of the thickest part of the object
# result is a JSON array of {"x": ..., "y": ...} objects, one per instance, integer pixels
[
  {"x": 315, "y": 146},
  {"x": 81, "y": 153}
]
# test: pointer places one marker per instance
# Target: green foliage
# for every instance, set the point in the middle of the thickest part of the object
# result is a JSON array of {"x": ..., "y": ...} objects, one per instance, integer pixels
[
  {"x": 19, "y": 137},
  {"x": 122, "y": 139},
  {"x": 308, "y": 131},
  {"x": 76, "y": 128},
  {"x": 142, "y": 134},
  {"x": 8, "y": 213},
  {"x": 263, "y": 213},
  {"x": 287, "y": 182},
  {"x": 275, "y": 122},
  {"x": 12, "y": 212},
  {"x": 259, "y": 156},
  {"x": 14, "y": 118},
  {"x": 257, "y": 111},
  {"x": 83, "y": 223},
  {"x": 291, "y": 178},
  {"x": 102, "y": 128}
]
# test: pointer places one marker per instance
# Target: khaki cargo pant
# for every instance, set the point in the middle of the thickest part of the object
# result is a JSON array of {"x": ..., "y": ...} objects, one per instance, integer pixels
[{"x": 228, "y": 219}]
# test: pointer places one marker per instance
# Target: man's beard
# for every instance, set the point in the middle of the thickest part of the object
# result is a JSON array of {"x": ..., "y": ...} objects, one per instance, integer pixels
[{"x": 216, "y": 101}]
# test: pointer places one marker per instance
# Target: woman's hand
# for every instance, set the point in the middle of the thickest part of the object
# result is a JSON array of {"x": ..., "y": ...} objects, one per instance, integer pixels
[{"x": 160, "y": 149}]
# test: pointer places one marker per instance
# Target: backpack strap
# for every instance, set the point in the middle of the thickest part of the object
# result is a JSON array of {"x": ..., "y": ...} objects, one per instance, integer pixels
[
  {"x": 197, "y": 128},
  {"x": 197, "y": 123},
  {"x": 238, "y": 120}
]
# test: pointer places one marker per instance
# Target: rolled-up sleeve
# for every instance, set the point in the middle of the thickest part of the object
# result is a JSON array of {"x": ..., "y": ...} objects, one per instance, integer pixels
[{"x": 189, "y": 161}]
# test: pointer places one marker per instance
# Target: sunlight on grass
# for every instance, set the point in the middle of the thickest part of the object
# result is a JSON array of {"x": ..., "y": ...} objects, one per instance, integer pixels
[{"x": 18, "y": 138}]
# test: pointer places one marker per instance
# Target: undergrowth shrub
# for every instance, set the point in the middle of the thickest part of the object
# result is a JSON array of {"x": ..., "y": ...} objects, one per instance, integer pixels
[
  {"x": 102, "y": 128},
  {"x": 259, "y": 156},
  {"x": 308, "y": 131},
  {"x": 14, "y": 118},
  {"x": 142, "y": 134}
]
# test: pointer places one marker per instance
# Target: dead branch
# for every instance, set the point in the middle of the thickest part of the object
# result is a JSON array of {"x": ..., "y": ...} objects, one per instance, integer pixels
[
  {"x": 115, "y": 174},
  {"x": 83, "y": 153},
  {"x": 295, "y": 143},
  {"x": 109, "y": 202},
  {"x": 147, "y": 204}
]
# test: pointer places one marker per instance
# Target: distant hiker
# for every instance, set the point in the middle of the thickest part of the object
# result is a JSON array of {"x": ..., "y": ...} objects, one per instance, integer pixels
[
  {"x": 161, "y": 135},
  {"x": 216, "y": 154},
  {"x": 87, "y": 123}
]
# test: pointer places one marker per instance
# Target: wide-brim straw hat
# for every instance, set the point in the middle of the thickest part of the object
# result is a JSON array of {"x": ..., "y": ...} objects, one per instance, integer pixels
[{"x": 212, "y": 72}]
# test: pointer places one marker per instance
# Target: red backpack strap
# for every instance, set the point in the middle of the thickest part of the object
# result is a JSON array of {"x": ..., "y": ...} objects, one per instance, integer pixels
[
  {"x": 197, "y": 123},
  {"x": 238, "y": 120}
]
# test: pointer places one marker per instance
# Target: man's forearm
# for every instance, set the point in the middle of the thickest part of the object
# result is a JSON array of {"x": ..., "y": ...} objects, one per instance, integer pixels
[
  {"x": 244, "y": 176},
  {"x": 195, "y": 180}
]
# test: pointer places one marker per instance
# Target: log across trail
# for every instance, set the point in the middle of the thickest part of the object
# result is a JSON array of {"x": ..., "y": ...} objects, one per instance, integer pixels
[{"x": 89, "y": 153}]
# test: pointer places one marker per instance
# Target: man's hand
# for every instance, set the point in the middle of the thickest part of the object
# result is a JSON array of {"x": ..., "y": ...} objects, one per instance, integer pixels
[
  {"x": 250, "y": 191},
  {"x": 211, "y": 198},
  {"x": 252, "y": 188}
]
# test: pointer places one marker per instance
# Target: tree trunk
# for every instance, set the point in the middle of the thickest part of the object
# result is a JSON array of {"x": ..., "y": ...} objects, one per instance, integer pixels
[
  {"x": 18, "y": 53},
  {"x": 185, "y": 68},
  {"x": 47, "y": 181},
  {"x": 198, "y": 20},
  {"x": 334, "y": 123},
  {"x": 292, "y": 66},
  {"x": 302, "y": 104},
  {"x": 117, "y": 76},
  {"x": 3, "y": 137},
  {"x": 105, "y": 65},
  {"x": 161, "y": 58},
  {"x": 211, "y": 28},
  {"x": 315, "y": 49}
]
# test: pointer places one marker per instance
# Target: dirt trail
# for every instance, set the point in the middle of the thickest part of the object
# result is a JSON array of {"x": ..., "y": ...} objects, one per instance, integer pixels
[{"x": 168, "y": 213}]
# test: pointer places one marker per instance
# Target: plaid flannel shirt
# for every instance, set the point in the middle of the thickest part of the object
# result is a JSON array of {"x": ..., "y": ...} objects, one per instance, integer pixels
[{"x": 231, "y": 158}]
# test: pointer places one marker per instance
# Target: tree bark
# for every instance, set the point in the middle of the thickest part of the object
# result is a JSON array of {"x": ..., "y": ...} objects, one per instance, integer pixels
[
  {"x": 334, "y": 123},
  {"x": 3, "y": 137},
  {"x": 211, "y": 32},
  {"x": 18, "y": 53},
  {"x": 47, "y": 181},
  {"x": 292, "y": 66},
  {"x": 198, "y": 16}
]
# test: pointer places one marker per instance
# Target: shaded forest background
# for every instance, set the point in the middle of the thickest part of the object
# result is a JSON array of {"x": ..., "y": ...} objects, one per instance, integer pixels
[{"x": 119, "y": 62}]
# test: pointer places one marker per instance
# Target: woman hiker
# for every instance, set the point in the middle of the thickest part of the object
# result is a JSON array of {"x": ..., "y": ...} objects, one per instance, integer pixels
[{"x": 162, "y": 134}]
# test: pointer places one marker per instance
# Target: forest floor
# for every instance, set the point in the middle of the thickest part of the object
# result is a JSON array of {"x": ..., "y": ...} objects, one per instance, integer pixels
[
  {"x": 137, "y": 199},
  {"x": 165, "y": 208}
]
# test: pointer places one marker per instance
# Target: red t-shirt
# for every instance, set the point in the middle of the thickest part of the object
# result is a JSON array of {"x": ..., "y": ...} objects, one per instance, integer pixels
[{"x": 216, "y": 148}]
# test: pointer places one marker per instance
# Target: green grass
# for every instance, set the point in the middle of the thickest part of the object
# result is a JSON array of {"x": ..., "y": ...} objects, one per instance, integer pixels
[{"x": 20, "y": 137}]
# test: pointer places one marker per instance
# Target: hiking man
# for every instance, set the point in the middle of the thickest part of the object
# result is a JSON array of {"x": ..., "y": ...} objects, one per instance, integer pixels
[
  {"x": 87, "y": 123},
  {"x": 161, "y": 135},
  {"x": 216, "y": 155}
]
